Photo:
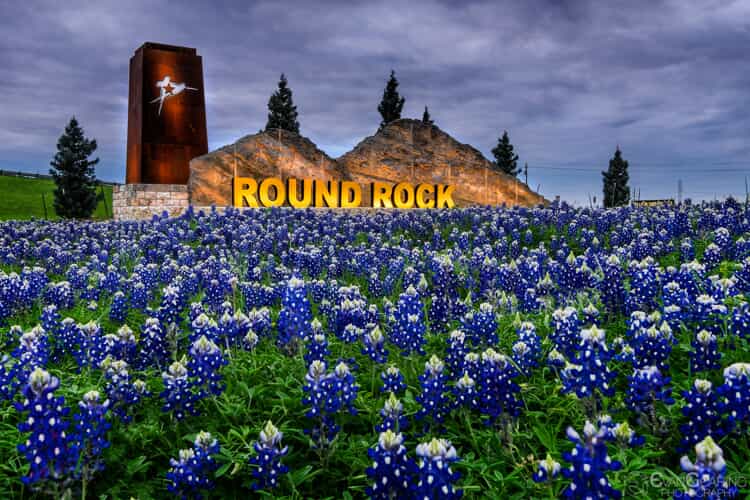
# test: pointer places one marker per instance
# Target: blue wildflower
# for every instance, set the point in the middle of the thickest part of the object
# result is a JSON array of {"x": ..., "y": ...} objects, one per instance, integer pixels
[
  {"x": 435, "y": 479},
  {"x": 203, "y": 367},
  {"x": 707, "y": 476},
  {"x": 589, "y": 463},
  {"x": 434, "y": 396},
  {"x": 90, "y": 436},
  {"x": 48, "y": 447},
  {"x": 393, "y": 380},
  {"x": 703, "y": 413},
  {"x": 267, "y": 462},
  {"x": 178, "y": 395},
  {"x": 705, "y": 355},
  {"x": 547, "y": 469},
  {"x": 191, "y": 472},
  {"x": 735, "y": 392},
  {"x": 375, "y": 345},
  {"x": 392, "y": 470},
  {"x": 295, "y": 316}
]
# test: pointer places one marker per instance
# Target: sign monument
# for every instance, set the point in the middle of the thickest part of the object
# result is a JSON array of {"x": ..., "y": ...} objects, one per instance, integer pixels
[{"x": 166, "y": 114}]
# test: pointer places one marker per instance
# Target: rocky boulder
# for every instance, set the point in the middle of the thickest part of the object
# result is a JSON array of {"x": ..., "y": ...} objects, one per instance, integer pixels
[
  {"x": 266, "y": 154},
  {"x": 403, "y": 151}
]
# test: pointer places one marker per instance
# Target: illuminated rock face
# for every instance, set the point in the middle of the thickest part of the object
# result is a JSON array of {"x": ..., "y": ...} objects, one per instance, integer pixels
[{"x": 404, "y": 151}]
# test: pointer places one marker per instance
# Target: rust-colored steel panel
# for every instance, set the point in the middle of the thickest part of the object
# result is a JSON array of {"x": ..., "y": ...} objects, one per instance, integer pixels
[{"x": 166, "y": 114}]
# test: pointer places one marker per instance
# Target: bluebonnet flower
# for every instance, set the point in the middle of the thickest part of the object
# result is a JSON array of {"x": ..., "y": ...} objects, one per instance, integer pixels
[
  {"x": 375, "y": 345},
  {"x": 687, "y": 251},
  {"x": 711, "y": 256},
  {"x": 392, "y": 415},
  {"x": 268, "y": 459},
  {"x": 203, "y": 367},
  {"x": 351, "y": 333},
  {"x": 9, "y": 382},
  {"x": 317, "y": 345},
  {"x": 123, "y": 394},
  {"x": 588, "y": 373},
  {"x": 324, "y": 401},
  {"x": 90, "y": 437},
  {"x": 93, "y": 348},
  {"x": 705, "y": 355},
  {"x": 556, "y": 359},
  {"x": 153, "y": 349},
  {"x": 408, "y": 331},
  {"x": 392, "y": 470},
  {"x": 67, "y": 339},
  {"x": 191, "y": 472},
  {"x": 295, "y": 316},
  {"x": 591, "y": 315},
  {"x": 344, "y": 382},
  {"x": 736, "y": 395},
  {"x": 139, "y": 297},
  {"x": 480, "y": 326},
  {"x": 740, "y": 324},
  {"x": 612, "y": 285},
  {"x": 652, "y": 347},
  {"x": 393, "y": 380},
  {"x": 32, "y": 350},
  {"x": 178, "y": 395},
  {"x": 620, "y": 432},
  {"x": 589, "y": 463},
  {"x": 703, "y": 413},
  {"x": 645, "y": 387},
  {"x": 565, "y": 328},
  {"x": 707, "y": 476},
  {"x": 434, "y": 396},
  {"x": 547, "y": 470},
  {"x": 259, "y": 321},
  {"x": 456, "y": 351},
  {"x": 523, "y": 357},
  {"x": 47, "y": 448},
  {"x": 250, "y": 340},
  {"x": 709, "y": 314},
  {"x": 118, "y": 311},
  {"x": 434, "y": 478},
  {"x": 465, "y": 393},
  {"x": 203, "y": 326},
  {"x": 498, "y": 393},
  {"x": 121, "y": 345}
]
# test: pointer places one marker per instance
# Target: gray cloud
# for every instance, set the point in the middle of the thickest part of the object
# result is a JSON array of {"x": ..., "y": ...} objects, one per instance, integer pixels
[{"x": 569, "y": 80}]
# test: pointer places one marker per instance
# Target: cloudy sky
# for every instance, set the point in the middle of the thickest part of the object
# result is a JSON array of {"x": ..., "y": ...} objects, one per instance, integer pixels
[{"x": 668, "y": 82}]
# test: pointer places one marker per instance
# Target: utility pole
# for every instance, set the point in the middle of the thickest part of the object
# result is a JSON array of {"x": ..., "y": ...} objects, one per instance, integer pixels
[
  {"x": 679, "y": 191},
  {"x": 526, "y": 173}
]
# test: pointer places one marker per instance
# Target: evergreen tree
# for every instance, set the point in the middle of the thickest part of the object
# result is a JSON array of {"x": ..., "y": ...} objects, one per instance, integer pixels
[
  {"x": 505, "y": 159},
  {"x": 392, "y": 104},
  {"x": 75, "y": 180},
  {"x": 282, "y": 113},
  {"x": 426, "y": 119},
  {"x": 616, "y": 189}
]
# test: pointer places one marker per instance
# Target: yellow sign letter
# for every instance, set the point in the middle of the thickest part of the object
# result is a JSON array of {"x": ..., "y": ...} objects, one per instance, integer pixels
[{"x": 244, "y": 190}]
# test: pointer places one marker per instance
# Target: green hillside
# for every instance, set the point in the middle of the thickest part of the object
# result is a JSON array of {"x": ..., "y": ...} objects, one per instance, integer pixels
[{"x": 21, "y": 198}]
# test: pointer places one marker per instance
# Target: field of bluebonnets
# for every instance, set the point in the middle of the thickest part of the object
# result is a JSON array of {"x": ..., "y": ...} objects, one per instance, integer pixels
[{"x": 489, "y": 352}]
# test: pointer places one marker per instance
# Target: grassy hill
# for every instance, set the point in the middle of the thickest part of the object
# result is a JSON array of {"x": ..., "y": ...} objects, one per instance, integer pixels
[{"x": 21, "y": 198}]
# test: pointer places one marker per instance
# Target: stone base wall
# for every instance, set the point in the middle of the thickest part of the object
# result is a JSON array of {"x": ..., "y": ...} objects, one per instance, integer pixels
[{"x": 142, "y": 201}]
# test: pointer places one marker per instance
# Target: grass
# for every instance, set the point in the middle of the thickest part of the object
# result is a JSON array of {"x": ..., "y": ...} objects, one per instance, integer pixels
[{"x": 22, "y": 198}]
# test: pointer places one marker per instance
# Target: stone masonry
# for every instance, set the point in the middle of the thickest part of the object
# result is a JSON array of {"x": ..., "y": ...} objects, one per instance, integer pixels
[{"x": 142, "y": 201}]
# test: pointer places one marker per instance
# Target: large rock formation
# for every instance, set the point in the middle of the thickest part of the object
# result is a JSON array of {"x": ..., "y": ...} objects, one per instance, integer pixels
[{"x": 404, "y": 151}]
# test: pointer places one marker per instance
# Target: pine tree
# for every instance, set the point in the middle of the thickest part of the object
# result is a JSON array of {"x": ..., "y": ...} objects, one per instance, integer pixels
[
  {"x": 75, "y": 180},
  {"x": 392, "y": 104},
  {"x": 505, "y": 159},
  {"x": 282, "y": 113},
  {"x": 426, "y": 119},
  {"x": 615, "y": 179}
]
